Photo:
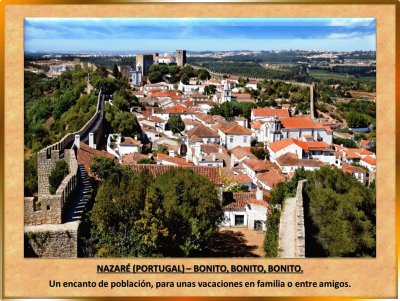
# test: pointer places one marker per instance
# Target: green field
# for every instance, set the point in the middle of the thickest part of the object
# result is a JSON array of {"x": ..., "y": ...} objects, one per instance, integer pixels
[{"x": 324, "y": 75}]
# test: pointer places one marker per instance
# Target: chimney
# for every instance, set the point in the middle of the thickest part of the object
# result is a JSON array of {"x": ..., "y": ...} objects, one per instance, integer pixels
[
  {"x": 91, "y": 140},
  {"x": 77, "y": 141},
  {"x": 171, "y": 153},
  {"x": 135, "y": 137},
  {"x": 221, "y": 150},
  {"x": 214, "y": 157},
  {"x": 259, "y": 194}
]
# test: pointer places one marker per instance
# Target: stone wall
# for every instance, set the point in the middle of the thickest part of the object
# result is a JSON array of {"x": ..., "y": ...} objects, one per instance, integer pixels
[
  {"x": 300, "y": 230},
  {"x": 52, "y": 240},
  {"x": 48, "y": 209}
]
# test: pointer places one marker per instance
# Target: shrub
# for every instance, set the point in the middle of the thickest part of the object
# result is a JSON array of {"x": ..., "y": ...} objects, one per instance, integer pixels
[{"x": 57, "y": 175}]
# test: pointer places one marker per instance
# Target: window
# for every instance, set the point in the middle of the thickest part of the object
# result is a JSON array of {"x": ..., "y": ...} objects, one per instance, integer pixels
[
  {"x": 239, "y": 220},
  {"x": 257, "y": 225},
  {"x": 231, "y": 139},
  {"x": 245, "y": 139}
]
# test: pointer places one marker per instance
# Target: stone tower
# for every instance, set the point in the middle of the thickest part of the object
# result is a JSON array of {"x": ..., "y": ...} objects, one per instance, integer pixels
[
  {"x": 226, "y": 93},
  {"x": 180, "y": 57},
  {"x": 145, "y": 61}
]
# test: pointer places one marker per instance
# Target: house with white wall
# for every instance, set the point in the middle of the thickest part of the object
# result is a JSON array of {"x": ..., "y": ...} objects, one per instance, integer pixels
[{"x": 233, "y": 135}]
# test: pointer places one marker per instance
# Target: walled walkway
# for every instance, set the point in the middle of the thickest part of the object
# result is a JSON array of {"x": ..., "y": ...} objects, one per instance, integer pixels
[{"x": 287, "y": 230}]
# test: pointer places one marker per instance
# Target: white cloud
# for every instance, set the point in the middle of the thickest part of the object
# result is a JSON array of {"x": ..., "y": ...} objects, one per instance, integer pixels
[
  {"x": 349, "y": 35},
  {"x": 352, "y": 22}
]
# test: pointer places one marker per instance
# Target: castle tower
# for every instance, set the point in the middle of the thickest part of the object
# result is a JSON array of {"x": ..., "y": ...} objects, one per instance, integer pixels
[
  {"x": 180, "y": 56},
  {"x": 273, "y": 130},
  {"x": 145, "y": 61}
]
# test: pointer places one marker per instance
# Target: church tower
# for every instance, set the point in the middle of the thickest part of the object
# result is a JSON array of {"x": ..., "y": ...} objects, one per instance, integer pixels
[{"x": 226, "y": 93}]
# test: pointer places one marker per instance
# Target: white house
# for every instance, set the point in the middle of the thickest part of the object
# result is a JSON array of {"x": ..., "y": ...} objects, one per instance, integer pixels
[
  {"x": 252, "y": 85},
  {"x": 369, "y": 163},
  {"x": 246, "y": 210},
  {"x": 120, "y": 146},
  {"x": 233, "y": 135}
]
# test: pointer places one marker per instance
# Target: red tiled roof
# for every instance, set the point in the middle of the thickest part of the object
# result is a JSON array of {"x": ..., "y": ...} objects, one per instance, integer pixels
[
  {"x": 278, "y": 145},
  {"x": 86, "y": 155},
  {"x": 198, "y": 95},
  {"x": 133, "y": 158},
  {"x": 362, "y": 152},
  {"x": 130, "y": 141},
  {"x": 304, "y": 145},
  {"x": 242, "y": 95},
  {"x": 285, "y": 106},
  {"x": 234, "y": 129},
  {"x": 205, "y": 117},
  {"x": 364, "y": 142},
  {"x": 242, "y": 178},
  {"x": 173, "y": 160},
  {"x": 304, "y": 122},
  {"x": 211, "y": 173},
  {"x": 179, "y": 109},
  {"x": 210, "y": 148},
  {"x": 256, "y": 124},
  {"x": 268, "y": 112},
  {"x": 351, "y": 169},
  {"x": 239, "y": 201},
  {"x": 202, "y": 131},
  {"x": 369, "y": 160},
  {"x": 258, "y": 202},
  {"x": 259, "y": 165},
  {"x": 240, "y": 152},
  {"x": 271, "y": 178},
  {"x": 351, "y": 154},
  {"x": 290, "y": 159}
]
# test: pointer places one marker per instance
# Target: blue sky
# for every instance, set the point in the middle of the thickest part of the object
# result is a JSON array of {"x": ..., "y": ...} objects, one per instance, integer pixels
[{"x": 199, "y": 34}]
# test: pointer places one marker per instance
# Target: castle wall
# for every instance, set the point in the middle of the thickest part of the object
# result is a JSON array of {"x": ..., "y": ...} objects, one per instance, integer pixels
[{"x": 52, "y": 240}]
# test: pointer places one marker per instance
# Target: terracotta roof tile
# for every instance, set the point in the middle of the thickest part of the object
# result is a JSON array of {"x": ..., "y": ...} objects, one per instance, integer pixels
[
  {"x": 173, "y": 160},
  {"x": 269, "y": 112},
  {"x": 351, "y": 169},
  {"x": 234, "y": 129},
  {"x": 304, "y": 122},
  {"x": 86, "y": 155},
  {"x": 211, "y": 173},
  {"x": 369, "y": 160},
  {"x": 271, "y": 178},
  {"x": 202, "y": 131},
  {"x": 259, "y": 165}
]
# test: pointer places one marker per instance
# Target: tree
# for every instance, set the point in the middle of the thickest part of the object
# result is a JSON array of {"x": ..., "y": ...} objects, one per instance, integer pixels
[
  {"x": 163, "y": 149},
  {"x": 155, "y": 76},
  {"x": 271, "y": 239},
  {"x": 57, "y": 175},
  {"x": 203, "y": 74},
  {"x": 175, "y": 124},
  {"x": 260, "y": 153},
  {"x": 210, "y": 89},
  {"x": 30, "y": 176},
  {"x": 175, "y": 214},
  {"x": 102, "y": 167},
  {"x": 116, "y": 72},
  {"x": 147, "y": 161},
  {"x": 346, "y": 142},
  {"x": 343, "y": 212},
  {"x": 238, "y": 187},
  {"x": 357, "y": 120}
]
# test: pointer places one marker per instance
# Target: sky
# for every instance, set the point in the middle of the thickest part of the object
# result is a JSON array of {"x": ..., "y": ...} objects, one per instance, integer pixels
[{"x": 198, "y": 34}]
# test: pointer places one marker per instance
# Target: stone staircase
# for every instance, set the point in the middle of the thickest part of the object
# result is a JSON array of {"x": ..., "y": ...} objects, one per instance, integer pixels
[{"x": 78, "y": 205}]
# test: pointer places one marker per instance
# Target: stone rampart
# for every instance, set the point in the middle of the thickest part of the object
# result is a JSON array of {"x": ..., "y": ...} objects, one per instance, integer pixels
[
  {"x": 299, "y": 222},
  {"x": 52, "y": 240},
  {"x": 48, "y": 209}
]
